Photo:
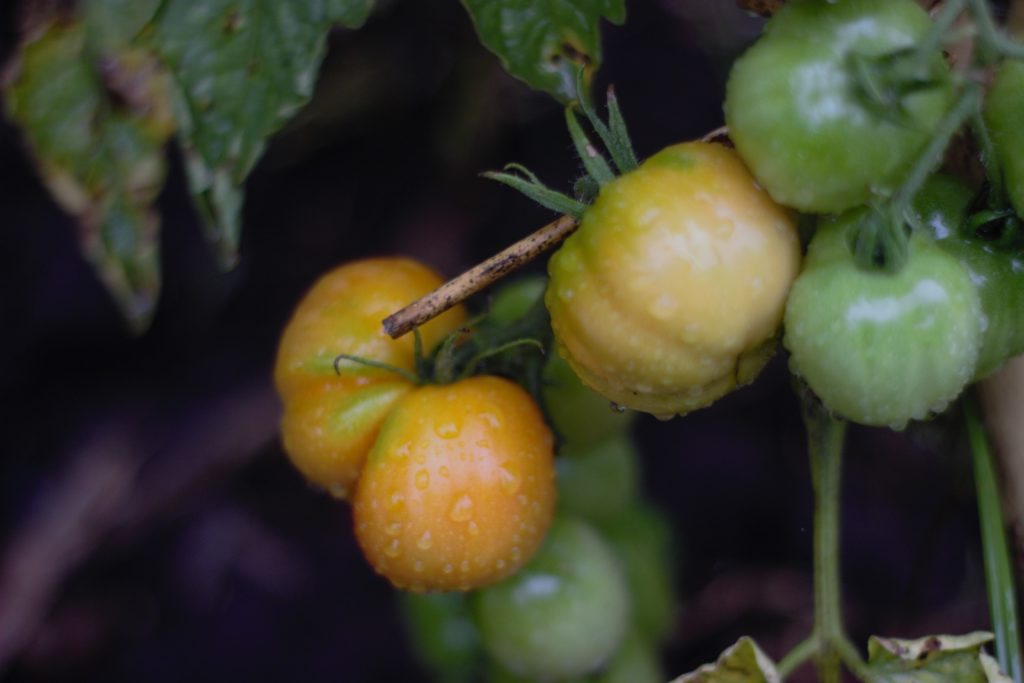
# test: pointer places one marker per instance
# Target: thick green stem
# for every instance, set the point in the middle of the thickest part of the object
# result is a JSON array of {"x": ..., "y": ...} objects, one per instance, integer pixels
[
  {"x": 1002, "y": 598},
  {"x": 825, "y": 444}
]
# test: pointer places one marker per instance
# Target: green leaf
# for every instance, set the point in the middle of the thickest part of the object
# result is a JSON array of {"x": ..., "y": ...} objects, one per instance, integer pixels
[
  {"x": 743, "y": 662},
  {"x": 242, "y": 68},
  {"x": 112, "y": 24},
  {"x": 545, "y": 42},
  {"x": 933, "y": 659},
  {"x": 96, "y": 124}
]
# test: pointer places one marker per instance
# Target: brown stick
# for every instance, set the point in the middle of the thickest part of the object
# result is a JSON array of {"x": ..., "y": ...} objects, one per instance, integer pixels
[{"x": 473, "y": 280}]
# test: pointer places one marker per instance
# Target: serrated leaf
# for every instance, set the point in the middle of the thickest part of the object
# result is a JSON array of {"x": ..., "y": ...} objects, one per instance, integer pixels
[
  {"x": 96, "y": 124},
  {"x": 545, "y": 42},
  {"x": 241, "y": 68},
  {"x": 743, "y": 662},
  {"x": 933, "y": 659}
]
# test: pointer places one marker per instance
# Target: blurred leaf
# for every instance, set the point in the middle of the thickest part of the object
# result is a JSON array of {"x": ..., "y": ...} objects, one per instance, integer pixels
[
  {"x": 241, "y": 68},
  {"x": 113, "y": 24},
  {"x": 96, "y": 124},
  {"x": 933, "y": 659},
  {"x": 545, "y": 42},
  {"x": 744, "y": 662}
]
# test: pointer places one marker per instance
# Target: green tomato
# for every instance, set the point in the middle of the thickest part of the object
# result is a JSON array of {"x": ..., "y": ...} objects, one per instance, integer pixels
[
  {"x": 581, "y": 417},
  {"x": 642, "y": 539},
  {"x": 1003, "y": 116},
  {"x": 598, "y": 482},
  {"x": 443, "y": 635},
  {"x": 882, "y": 348},
  {"x": 635, "y": 662},
  {"x": 564, "y": 614},
  {"x": 997, "y": 271},
  {"x": 796, "y": 113}
]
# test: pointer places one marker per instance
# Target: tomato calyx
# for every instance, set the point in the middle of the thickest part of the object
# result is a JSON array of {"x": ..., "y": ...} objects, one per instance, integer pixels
[{"x": 613, "y": 135}]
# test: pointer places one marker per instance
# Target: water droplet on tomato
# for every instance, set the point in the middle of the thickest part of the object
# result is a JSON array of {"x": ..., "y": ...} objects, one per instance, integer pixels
[
  {"x": 391, "y": 549},
  {"x": 425, "y": 541},
  {"x": 508, "y": 478},
  {"x": 422, "y": 480},
  {"x": 447, "y": 430},
  {"x": 473, "y": 529},
  {"x": 393, "y": 529},
  {"x": 462, "y": 509},
  {"x": 443, "y": 471}
]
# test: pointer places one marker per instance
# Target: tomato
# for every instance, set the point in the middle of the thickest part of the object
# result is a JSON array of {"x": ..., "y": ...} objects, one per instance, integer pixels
[
  {"x": 642, "y": 539},
  {"x": 331, "y": 419},
  {"x": 799, "y": 119},
  {"x": 443, "y": 635},
  {"x": 1003, "y": 109},
  {"x": 598, "y": 482},
  {"x": 459, "y": 487},
  {"x": 670, "y": 293},
  {"x": 564, "y": 614},
  {"x": 635, "y": 662},
  {"x": 881, "y": 348},
  {"x": 997, "y": 270},
  {"x": 580, "y": 416}
]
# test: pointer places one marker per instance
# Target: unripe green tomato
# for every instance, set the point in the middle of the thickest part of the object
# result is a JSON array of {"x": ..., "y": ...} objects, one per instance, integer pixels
[
  {"x": 443, "y": 635},
  {"x": 799, "y": 118},
  {"x": 671, "y": 292},
  {"x": 635, "y": 662},
  {"x": 598, "y": 482},
  {"x": 642, "y": 539},
  {"x": 997, "y": 272},
  {"x": 1004, "y": 116},
  {"x": 564, "y": 614},
  {"x": 882, "y": 348},
  {"x": 580, "y": 416}
]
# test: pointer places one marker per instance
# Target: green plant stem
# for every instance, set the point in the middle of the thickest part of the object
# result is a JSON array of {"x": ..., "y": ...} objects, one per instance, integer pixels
[
  {"x": 825, "y": 444},
  {"x": 1002, "y": 598},
  {"x": 990, "y": 37},
  {"x": 806, "y": 649},
  {"x": 996, "y": 193},
  {"x": 966, "y": 104}
]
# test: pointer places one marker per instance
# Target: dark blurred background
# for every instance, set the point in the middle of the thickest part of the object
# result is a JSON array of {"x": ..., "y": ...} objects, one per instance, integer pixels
[{"x": 151, "y": 527}]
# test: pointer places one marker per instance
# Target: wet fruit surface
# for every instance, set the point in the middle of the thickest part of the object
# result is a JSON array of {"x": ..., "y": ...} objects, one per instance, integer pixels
[{"x": 459, "y": 489}]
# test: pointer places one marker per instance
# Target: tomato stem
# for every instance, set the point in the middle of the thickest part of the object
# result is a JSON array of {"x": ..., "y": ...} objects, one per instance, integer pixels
[
  {"x": 994, "y": 41},
  {"x": 479, "y": 277},
  {"x": 1002, "y": 599}
]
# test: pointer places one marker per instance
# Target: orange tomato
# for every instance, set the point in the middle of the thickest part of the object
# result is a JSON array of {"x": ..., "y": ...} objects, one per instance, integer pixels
[
  {"x": 331, "y": 418},
  {"x": 459, "y": 488}
]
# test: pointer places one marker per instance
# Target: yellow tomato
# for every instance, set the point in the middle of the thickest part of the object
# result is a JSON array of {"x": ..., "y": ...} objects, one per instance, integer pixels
[
  {"x": 671, "y": 292},
  {"x": 459, "y": 488},
  {"x": 332, "y": 418}
]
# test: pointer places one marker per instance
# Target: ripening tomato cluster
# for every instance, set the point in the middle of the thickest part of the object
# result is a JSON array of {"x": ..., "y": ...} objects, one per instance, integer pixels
[{"x": 452, "y": 485}]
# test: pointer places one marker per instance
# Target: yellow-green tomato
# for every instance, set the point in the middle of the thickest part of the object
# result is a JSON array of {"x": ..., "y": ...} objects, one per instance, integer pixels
[
  {"x": 600, "y": 481},
  {"x": 331, "y": 419},
  {"x": 670, "y": 293}
]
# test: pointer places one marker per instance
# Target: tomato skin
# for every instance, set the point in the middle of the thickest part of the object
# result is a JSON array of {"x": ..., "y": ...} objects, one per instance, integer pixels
[
  {"x": 878, "y": 348},
  {"x": 459, "y": 488},
  {"x": 564, "y": 615},
  {"x": 1003, "y": 108},
  {"x": 795, "y": 115},
  {"x": 997, "y": 272},
  {"x": 670, "y": 293},
  {"x": 331, "y": 419}
]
